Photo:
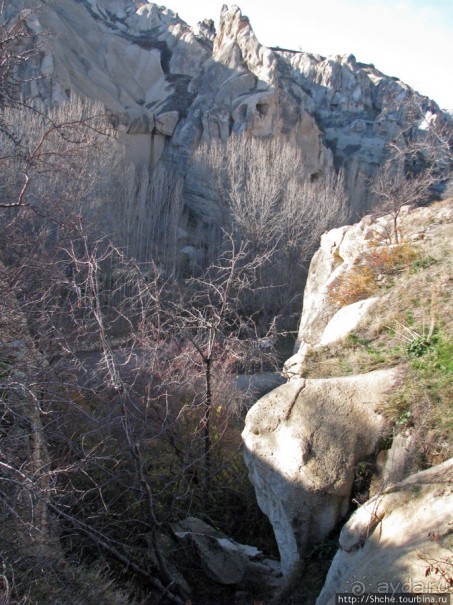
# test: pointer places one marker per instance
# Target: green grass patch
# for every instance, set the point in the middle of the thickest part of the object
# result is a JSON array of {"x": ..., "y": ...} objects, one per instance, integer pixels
[{"x": 409, "y": 327}]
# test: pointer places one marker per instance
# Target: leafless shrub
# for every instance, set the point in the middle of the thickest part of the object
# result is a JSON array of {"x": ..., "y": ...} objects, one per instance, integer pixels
[
  {"x": 394, "y": 188},
  {"x": 419, "y": 161},
  {"x": 267, "y": 199}
]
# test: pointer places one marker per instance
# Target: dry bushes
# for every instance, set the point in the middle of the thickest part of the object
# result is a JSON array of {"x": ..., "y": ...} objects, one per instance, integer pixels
[{"x": 364, "y": 279}]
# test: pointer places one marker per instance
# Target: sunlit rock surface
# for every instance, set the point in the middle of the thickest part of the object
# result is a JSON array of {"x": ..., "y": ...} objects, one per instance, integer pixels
[
  {"x": 304, "y": 439},
  {"x": 178, "y": 86},
  {"x": 341, "y": 250},
  {"x": 302, "y": 443},
  {"x": 397, "y": 540}
]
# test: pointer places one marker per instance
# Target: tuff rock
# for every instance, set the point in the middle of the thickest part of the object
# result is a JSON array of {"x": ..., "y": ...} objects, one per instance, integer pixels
[
  {"x": 397, "y": 540},
  {"x": 174, "y": 86},
  {"x": 302, "y": 443},
  {"x": 322, "y": 322},
  {"x": 304, "y": 439},
  {"x": 338, "y": 253}
]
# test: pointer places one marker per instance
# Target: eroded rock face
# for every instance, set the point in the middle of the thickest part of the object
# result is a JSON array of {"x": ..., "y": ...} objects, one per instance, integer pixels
[
  {"x": 389, "y": 543},
  {"x": 302, "y": 442},
  {"x": 304, "y": 438},
  {"x": 341, "y": 250},
  {"x": 355, "y": 104},
  {"x": 182, "y": 85}
]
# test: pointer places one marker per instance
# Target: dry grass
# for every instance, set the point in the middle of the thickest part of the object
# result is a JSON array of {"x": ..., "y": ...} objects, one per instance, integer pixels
[
  {"x": 411, "y": 326},
  {"x": 366, "y": 278}
]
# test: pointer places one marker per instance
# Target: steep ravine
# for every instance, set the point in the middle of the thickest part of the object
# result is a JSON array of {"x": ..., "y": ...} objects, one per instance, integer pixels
[{"x": 363, "y": 423}]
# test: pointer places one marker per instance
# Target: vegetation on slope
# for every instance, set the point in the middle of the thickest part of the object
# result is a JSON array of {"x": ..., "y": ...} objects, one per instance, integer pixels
[
  {"x": 410, "y": 326},
  {"x": 119, "y": 415}
]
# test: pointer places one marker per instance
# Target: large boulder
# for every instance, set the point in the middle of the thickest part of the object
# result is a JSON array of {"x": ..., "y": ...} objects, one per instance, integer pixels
[
  {"x": 399, "y": 541},
  {"x": 222, "y": 559},
  {"x": 302, "y": 444},
  {"x": 304, "y": 440}
]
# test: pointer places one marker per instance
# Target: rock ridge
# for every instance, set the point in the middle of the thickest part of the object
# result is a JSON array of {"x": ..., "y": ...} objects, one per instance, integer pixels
[
  {"x": 143, "y": 63},
  {"x": 305, "y": 440}
]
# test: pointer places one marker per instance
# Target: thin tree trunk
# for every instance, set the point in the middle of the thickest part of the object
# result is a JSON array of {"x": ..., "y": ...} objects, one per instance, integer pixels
[
  {"x": 207, "y": 432},
  {"x": 395, "y": 227}
]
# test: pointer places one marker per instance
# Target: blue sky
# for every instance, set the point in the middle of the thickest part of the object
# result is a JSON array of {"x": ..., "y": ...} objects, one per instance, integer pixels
[{"x": 410, "y": 39}]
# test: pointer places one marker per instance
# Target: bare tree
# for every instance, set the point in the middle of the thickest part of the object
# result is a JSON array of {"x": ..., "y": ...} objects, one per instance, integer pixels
[
  {"x": 131, "y": 392},
  {"x": 419, "y": 159},
  {"x": 394, "y": 188},
  {"x": 53, "y": 181},
  {"x": 427, "y": 139},
  {"x": 268, "y": 199},
  {"x": 208, "y": 316},
  {"x": 47, "y": 158}
]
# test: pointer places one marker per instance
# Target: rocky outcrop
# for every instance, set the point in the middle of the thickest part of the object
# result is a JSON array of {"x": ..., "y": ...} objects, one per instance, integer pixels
[
  {"x": 304, "y": 439},
  {"x": 221, "y": 559},
  {"x": 340, "y": 252},
  {"x": 174, "y": 86},
  {"x": 302, "y": 443},
  {"x": 358, "y": 106},
  {"x": 399, "y": 541}
]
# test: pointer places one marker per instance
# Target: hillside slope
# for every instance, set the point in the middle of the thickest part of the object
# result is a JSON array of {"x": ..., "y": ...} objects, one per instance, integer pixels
[
  {"x": 172, "y": 86},
  {"x": 369, "y": 396}
]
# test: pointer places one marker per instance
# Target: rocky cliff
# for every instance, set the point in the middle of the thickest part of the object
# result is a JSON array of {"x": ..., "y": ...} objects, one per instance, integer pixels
[
  {"x": 172, "y": 86},
  {"x": 368, "y": 399},
  {"x": 399, "y": 541}
]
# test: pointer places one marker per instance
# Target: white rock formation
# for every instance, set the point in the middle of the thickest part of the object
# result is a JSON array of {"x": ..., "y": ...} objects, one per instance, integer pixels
[
  {"x": 322, "y": 323},
  {"x": 144, "y": 63},
  {"x": 339, "y": 251},
  {"x": 346, "y": 320},
  {"x": 304, "y": 439},
  {"x": 302, "y": 443},
  {"x": 389, "y": 543}
]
